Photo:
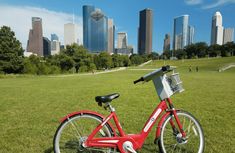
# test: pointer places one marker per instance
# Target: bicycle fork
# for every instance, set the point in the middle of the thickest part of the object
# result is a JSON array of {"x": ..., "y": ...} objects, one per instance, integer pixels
[{"x": 174, "y": 114}]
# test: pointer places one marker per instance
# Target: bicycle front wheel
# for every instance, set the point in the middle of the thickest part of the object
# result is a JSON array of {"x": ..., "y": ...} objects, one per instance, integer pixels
[
  {"x": 71, "y": 134},
  {"x": 171, "y": 139}
]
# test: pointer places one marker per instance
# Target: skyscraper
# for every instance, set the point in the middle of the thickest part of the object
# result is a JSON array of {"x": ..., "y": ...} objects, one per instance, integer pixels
[
  {"x": 111, "y": 33},
  {"x": 54, "y": 37},
  {"x": 35, "y": 41},
  {"x": 70, "y": 34},
  {"x": 228, "y": 35},
  {"x": 180, "y": 37},
  {"x": 46, "y": 47},
  {"x": 167, "y": 42},
  {"x": 145, "y": 31},
  {"x": 217, "y": 29},
  {"x": 55, "y": 44},
  {"x": 190, "y": 35},
  {"x": 87, "y": 9},
  {"x": 95, "y": 29},
  {"x": 55, "y": 47},
  {"x": 122, "y": 40}
]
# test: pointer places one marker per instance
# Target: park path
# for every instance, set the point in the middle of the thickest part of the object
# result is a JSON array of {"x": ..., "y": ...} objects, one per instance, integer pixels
[
  {"x": 102, "y": 72},
  {"x": 96, "y": 73},
  {"x": 141, "y": 65},
  {"x": 226, "y": 67}
]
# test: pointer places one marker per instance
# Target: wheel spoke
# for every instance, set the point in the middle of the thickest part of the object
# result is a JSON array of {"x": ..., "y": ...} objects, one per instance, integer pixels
[
  {"x": 73, "y": 133},
  {"x": 174, "y": 142}
]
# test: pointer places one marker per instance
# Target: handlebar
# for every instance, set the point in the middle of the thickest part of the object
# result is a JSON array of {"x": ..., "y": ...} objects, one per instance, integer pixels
[
  {"x": 140, "y": 79},
  {"x": 158, "y": 72}
]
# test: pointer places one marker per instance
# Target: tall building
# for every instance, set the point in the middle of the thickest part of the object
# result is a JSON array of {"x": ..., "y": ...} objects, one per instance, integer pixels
[
  {"x": 54, "y": 37},
  {"x": 46, "y": 47},
  {"x": 87, "y": 10},
  {"x": 190, "y": 35},
  {"x": 55, "y": 47},
  {"x": 145, "y": 31},
  {"x": 180, "y": 36},
  {"x": 95, "y": 29},
  {"x": 35, "y": 41},
  {"x": 70, "y": 34},
  {"x": 55, "y": 44},
  {"x": 217, "y": 29},
  {"x": 167, "y": 42},
  {"x": 228, "y": 35},
  {"x": 111, "y": 34},
  {"x": 122, "y": 40}
]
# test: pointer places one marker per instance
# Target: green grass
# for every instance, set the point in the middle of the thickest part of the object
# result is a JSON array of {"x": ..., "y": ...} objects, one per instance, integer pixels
[{"x": 31, "y": 106}]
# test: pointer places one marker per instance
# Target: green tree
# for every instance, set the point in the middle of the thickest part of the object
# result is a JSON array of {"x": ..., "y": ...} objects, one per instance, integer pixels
[
  {"x": 66, "y": 62},
  {"x": 80, "y": 56},
  {"x": 228, "y": 49},
  {"x": 126, "y": 61},
  {"x": 29, "y": 67},
  {"x": 103, "y": 60},
  {"x": 214, "y": 50},
  {"x": 201, "y": 49},
  {"x": 181, "y": 54},
  {"x": 136, "y": 59},
  {"x": 11, "y": 52},
  {"x": 153, "y": 56}
]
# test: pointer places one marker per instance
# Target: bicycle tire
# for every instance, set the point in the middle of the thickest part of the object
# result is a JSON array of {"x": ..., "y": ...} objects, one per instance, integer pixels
[
  {"x": 194, "y": 135},
  {"x": 79, "y": 135}
]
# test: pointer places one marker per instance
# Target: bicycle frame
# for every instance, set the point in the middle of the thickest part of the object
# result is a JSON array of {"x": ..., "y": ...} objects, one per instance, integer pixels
[{"x": 137, "y": 140}]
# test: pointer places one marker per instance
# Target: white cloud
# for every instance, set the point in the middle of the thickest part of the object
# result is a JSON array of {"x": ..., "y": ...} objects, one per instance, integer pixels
[
  {"x": 193, "y": 2},
  {"x": 218, "y": 3},
  {"x": 19, "y": 19},
  {"x": 206, "y": 5}
]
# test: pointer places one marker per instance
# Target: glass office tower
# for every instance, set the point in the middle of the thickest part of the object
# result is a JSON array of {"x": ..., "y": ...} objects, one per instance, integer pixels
[
  {"x": 180, "y": 38},
  {"x": 95, "y": 29}
]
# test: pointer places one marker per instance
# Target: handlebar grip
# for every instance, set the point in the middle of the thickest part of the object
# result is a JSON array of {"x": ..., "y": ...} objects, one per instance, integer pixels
[{"x": 140, "y": 79}]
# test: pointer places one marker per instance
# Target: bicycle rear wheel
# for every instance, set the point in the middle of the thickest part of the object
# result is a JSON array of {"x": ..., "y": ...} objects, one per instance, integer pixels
[
  {"x": 171, "y": 140},
  {"x": 71, "y": 134}
]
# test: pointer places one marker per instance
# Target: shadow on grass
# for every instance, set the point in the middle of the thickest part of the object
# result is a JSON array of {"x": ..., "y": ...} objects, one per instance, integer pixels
[
  {"x": 49, "y": 150},
  {"x": 150, "y": 148}
]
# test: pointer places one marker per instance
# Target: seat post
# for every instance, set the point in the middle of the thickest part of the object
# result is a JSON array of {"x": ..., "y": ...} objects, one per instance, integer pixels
[{"x": 112, "y": 109}]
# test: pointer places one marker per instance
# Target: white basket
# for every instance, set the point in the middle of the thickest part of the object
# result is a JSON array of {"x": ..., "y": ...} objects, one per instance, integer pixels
[{"x": 175, "y": 83}]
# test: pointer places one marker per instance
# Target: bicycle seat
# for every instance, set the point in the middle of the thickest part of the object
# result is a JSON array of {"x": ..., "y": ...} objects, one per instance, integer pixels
[{"x": 107, "y": 98}]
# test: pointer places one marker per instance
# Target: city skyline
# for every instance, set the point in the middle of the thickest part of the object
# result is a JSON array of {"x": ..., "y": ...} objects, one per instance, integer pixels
[{"x": 127, "y": 22}]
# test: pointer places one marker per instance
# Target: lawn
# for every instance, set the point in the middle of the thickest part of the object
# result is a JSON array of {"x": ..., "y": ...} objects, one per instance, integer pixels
[{"x": 31, "y": 106}]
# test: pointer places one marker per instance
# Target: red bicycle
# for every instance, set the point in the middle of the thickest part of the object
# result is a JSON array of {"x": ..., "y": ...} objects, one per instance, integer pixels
[{"x": 177, "y": 130}]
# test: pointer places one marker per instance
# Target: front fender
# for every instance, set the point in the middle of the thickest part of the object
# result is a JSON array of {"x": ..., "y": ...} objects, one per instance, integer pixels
[{"x": 88, "y": 112}]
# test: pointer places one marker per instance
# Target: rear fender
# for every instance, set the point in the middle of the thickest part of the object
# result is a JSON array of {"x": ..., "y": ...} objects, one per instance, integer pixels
[{"x": 88, "y": 112}]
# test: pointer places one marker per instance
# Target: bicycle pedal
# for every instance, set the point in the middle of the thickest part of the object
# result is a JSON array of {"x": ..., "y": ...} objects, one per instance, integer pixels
[{"x": 128, "y": 146}]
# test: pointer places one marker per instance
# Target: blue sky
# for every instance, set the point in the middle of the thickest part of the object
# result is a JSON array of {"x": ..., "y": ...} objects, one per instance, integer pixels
[{"x": 124, "y": 12}]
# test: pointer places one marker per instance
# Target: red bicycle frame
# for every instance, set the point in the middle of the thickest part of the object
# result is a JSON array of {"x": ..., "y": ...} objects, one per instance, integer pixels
[{"x": 136, "y": 139}]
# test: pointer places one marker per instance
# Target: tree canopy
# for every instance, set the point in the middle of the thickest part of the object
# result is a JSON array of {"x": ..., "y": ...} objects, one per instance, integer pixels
[{"x": 11, "y": 52}]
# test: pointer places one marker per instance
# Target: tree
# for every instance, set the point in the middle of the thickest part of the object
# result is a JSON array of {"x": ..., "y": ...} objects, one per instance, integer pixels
[
  {"x": 66, "y": 62},
  {"x": 153, "y": 56},
  {"x": 11, "y": 52},
  {"x": 214, "y": 50},
  {"x": 105, "y": 60},
  {"x": 201, "y": 49},
  {"x": 80, "y": 56},
  {"x": 228, "y": 49},
  {"x": 180, "y": 54},
  {"x": 136, "y": 59}
]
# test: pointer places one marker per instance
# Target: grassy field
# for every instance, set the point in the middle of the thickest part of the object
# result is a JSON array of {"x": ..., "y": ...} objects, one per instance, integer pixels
[{"x": 31, "y": 106}]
